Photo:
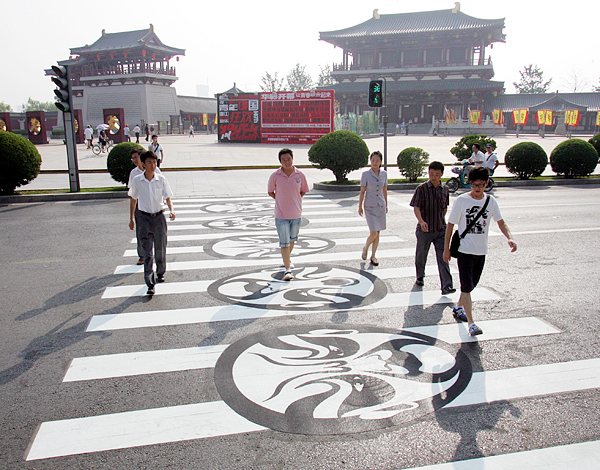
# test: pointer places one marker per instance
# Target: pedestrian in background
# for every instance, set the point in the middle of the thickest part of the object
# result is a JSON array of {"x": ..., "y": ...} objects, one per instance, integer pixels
[
  {"x": 373, "y": 193},
  {"x": 157, "y": 149},
  {"x": 127, "y": 133},
  {"x": 287, "y": 186},
  {"x": 147, "y": 132},
  {"x": 473, "y": 209},
  {"x": 89, "y": 136},
  {"x": 430, "y": 203},
  {"x": 148, "y": 192},
  {"x": 191, "y": 130},
  {"x": 136, "y": 131}
]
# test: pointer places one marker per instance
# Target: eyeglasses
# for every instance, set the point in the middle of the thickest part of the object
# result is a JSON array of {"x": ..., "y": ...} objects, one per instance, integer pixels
[{"x": 481, "y": 185}]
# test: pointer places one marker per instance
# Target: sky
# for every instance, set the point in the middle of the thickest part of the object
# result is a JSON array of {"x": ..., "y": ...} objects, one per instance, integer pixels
[{"x": 238, "y": 41}]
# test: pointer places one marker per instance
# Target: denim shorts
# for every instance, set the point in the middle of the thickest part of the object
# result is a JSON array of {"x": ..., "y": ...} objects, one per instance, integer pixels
[{"x": 287, "y": 229}]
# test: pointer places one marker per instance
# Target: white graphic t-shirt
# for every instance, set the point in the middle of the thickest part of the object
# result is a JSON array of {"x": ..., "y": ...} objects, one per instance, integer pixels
[{"x": 465, "y": 209}]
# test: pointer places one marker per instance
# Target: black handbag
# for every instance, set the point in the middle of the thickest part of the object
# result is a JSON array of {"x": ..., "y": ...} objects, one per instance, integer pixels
[{"x": 456, "y": 238}]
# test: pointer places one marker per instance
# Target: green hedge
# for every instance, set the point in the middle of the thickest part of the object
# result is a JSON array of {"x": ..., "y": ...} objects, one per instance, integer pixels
[
  {"x": 119, "y": 162},
  {"x": 463, "y": 148},
  {"x": 412, "y": 162},
  {"x": 574, "y": 157},
  {"x": 20, "y": 162},
  {"x": 526, "y": 160},
  {"x": 340, "y": 152}
]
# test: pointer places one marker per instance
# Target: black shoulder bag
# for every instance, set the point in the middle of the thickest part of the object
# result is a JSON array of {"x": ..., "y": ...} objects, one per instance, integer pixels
[{"x": 456, "y": 238}]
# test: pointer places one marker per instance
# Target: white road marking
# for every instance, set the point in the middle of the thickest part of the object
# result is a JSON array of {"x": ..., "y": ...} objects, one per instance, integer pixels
[
  {"x": 243, "y": 199},
  {"x": 137, "y": 428},
  {"x": 335, "y": 220},
  {"x": 186, "y": 316},
  {"x": 241, "y": 233},
  {"x": 197, "y": 421},
  {"x": 214, "y": 217},
  {"x": 187, "y": 287},
  {"x": 338, "y": 241},
  {"x": 584, "y": 455},
  {"x": 239, "y": 263},
  {"x": 558, "y": 230},
  {"x": 171, "y": 360}
]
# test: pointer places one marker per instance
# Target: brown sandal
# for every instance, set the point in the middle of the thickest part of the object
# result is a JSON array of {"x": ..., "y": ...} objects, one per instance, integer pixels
[
  {"x": 374, "y": 261},
  {"x": 364, "y": 253}
]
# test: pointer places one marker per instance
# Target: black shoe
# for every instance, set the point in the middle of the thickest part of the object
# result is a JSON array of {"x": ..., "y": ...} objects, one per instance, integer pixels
[
  {"x": 160, "y": 278},
  {"x": 448, "y": 290},
  {"x": 419, "y": 282},
  {"x": 140, "y": 261},
  {"x": 151, "y": 291}
]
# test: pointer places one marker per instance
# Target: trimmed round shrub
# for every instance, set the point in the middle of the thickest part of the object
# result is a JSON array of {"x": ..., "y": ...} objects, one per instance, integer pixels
[
  {"x": 340, "y": 152},
  {"x": 526, "y": 160},
  {"x": 574, "y": 157},
  {"x": 412, "y": 162},
  {"x": 119, "y": 162},
  {"x": 20, "y": 162},
  {"x": 595, "y": 141},
  {"x": 463, "y": 148}
]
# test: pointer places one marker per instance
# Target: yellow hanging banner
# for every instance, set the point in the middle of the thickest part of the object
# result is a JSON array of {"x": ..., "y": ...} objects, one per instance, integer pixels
[{"x": 598, "y": 119}]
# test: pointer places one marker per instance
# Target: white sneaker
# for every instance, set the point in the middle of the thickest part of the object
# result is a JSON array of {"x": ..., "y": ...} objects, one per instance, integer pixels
[{"x": 288, "y": 276}]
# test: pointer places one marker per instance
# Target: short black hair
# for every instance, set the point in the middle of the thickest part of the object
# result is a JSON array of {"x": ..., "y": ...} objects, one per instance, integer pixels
[
  {"x": 148, "y": 154},
  {"x": 154, "y": 135},
  {"x": 477, "y": 145},
  {"x": 436, "y": 166},
  {"x": 137, "y": 150},
  {"x": 377, "y": 152},
  {"x": 479, "y": 173},
  {"x": 284, "y": 151}
]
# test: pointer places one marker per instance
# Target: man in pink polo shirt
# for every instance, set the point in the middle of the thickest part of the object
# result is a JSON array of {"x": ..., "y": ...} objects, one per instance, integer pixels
[{"x": 287, "y": 186}]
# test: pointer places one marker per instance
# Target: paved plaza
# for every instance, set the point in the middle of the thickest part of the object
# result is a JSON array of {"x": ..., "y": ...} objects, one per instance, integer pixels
[{"x": 203, "y": 151}]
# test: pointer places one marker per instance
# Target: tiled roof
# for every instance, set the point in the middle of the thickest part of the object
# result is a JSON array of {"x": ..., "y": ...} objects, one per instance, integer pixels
[
  {"x": 421, "y": 86},
  {"x": 413, "y": 23},
  {"x": 128, "y": 40},
  {"x": 197, "y": 105},
  {"x": 551, "y": 101}
]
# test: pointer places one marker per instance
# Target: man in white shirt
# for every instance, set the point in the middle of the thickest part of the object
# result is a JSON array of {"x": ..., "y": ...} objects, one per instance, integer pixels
[
  {"x": 148, "y": 191},
  {"x": 474, "y": 246},
  {"x": 491, "y": 160},
  {"x": 136, "y": 131},
  {"x": 89, "y": 136},
  {"x": 477, "y": 157},
  {"x": 157, "y": 149}
]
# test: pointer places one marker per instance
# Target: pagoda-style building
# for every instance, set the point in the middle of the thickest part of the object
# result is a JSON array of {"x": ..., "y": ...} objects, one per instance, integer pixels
[
  {"x": 129, "y": 70},
  {"x": 432, "y": 61}
]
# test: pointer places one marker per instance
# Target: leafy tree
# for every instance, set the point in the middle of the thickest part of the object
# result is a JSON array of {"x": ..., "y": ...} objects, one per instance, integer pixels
[
  {"x": 5, "y": 107},
  {"x": 412, "y": 162},
  {"x": 298, "y": 79},
  {"x": 532, "y": 80},
  {"x": 35, "y": 105},
  {"x": 596, "y": 88},
  {"x": 271, "y": 82},
  {"x": 340, "y": 152},
  {"x": 20, "y": 162},
  {"x": 325, "y": 78}
]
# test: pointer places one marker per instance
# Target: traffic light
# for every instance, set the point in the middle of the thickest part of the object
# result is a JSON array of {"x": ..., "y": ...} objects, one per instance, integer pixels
[
  {"x": 376, "y": 93},
  {"x": 61, "y": 79}
]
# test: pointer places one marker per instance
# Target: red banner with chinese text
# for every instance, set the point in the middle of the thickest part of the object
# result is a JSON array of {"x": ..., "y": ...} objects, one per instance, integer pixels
[
  {"x": 598, "y": 119},
  {"x": 545, "y": 116},
  {"x": 572, "y": 117},
  {"x": 475, "y": 117},
  {"x": 498, "y": 117},
  {"x": 205, "y": 119},
  {"x": 520, "y": 116}
]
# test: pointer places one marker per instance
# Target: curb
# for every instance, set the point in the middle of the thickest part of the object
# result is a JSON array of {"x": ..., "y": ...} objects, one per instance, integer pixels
[
  {"x": 499, "y": 184},
  {"x": 30, "y": 198}
]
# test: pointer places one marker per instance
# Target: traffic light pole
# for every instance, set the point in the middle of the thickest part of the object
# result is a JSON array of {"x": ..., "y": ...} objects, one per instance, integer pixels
[
  {"x": 64, "y": 93},
  {"x": 385, "y": 127}
]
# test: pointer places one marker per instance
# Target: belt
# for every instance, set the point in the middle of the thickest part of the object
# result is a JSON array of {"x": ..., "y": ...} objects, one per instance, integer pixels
[{"x": 156, "y": 214}]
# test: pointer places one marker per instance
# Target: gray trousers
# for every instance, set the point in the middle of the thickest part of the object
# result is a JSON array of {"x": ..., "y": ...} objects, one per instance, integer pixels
[
  {"x": 136, "y": 217},
  {"x": 153, "y": 237},
  {"x": 424, "y": 241}
]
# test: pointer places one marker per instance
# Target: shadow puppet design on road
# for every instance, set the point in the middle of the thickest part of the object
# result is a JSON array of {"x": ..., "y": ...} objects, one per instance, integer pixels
[
  {"x": 315, "y": 287},
  {"x": 322, "y": 380},
  {"x": 263, "y": 246},
  {"x": 249, "y": 222}
]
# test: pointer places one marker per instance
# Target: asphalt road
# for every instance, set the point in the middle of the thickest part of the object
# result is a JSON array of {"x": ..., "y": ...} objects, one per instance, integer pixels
[{"x": 71, "y": 302}]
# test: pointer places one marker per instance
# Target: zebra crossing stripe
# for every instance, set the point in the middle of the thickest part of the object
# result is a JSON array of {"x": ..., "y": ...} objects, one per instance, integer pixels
[
  {"x": 186, "y": 316},
  {"x": 225, "y": 233},
  {"x": 171, "y": 360},
  {"x": 239, "y": 263},
  {"x": 202, "y": 420},
  {"x": 581, "y": 455},
  {"x": 243, "y": 199},
  {"x": 213, "y": 217},
  {"x": 339, "y": 241},
  {"x": 187, "y": 287},
  {"x": 335, "y": 220}
]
